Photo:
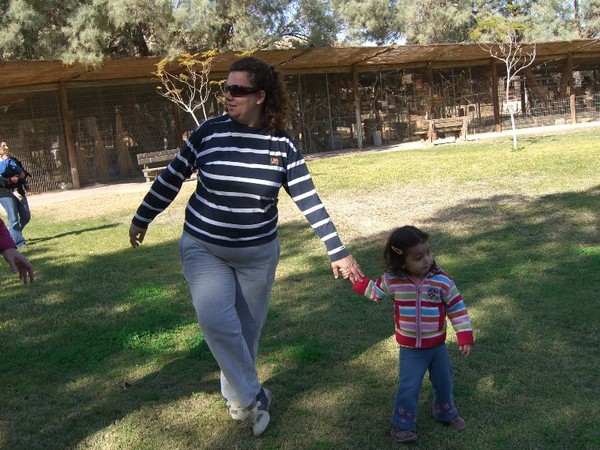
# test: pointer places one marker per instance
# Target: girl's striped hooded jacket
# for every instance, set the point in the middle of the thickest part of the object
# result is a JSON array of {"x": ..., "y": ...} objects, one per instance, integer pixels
[{"x": 420, "y": 310}]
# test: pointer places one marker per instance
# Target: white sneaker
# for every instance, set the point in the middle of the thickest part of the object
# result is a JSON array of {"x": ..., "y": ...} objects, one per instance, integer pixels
[
  {"x": 260, "y": 412},
  {"x": 237, "y": 411}
]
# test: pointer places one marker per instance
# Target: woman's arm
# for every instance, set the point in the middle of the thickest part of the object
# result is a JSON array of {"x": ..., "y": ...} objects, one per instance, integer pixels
[{"x": 300, "y": 186}]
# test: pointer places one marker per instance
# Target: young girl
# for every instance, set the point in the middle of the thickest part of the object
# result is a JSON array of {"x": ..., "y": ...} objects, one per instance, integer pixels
[{"x": 424, "y": 295}]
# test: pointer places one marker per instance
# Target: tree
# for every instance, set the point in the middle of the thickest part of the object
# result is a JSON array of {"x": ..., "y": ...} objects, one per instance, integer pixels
[
  {"x": 409, "y": 21},
  {"x": 87, "y": 31},
  {"x": 188, "y": 86},
  {"x": 500, "y": 38},
  {"x": 371, "y": 20},
  {"x": 429, "y": 22},
  {"x": 31, "y": 31},
  {"x": 546, "y": 20},
  {"x": 552, "y": 20},
  {"x": 588, "y": 12}
]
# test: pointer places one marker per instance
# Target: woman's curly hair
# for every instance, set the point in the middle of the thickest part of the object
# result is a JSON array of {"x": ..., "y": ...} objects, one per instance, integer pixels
[{"x": 266, "y": 78}]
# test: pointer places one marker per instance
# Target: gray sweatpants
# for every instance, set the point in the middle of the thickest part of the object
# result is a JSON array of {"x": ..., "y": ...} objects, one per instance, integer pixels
[{"x": 231, "y": 289}]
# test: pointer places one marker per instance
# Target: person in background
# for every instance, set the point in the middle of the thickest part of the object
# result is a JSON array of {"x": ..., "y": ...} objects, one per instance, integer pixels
[
  {"x": 229, "y": 248},
  {"x": 12, "y": 175},
  {"x": 423, "y": 295},
  {"x": 16, "y": 261}
]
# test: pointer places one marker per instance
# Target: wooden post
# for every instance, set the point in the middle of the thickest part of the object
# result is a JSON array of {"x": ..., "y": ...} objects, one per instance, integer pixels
[
  {"x": 495, "y": 103},
  {"x": 356, "y": 90},
  {"x": 571, "y": 89},
  {"x": 66, "y": 117},
  {"x": 430, "y": 93},
  {"x": 331, "y": 130}
]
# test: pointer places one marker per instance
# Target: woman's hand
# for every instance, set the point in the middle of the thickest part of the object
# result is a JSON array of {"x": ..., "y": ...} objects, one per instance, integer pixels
[
  {"x": 136, "y": 235},
  {"x": 19, "y": 263},
  {"x": 349, "y": 268}
]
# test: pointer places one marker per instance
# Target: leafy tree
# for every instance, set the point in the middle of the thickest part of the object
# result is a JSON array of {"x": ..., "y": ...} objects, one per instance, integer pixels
[
  {"x": 369, "y": 20},
  {"x": 434, "y": 22},
  {"x": 87, "y": 31},
  {"x": 588, "y": 15},
  {"x": 409, "y": 21},
  {"x": 546, "y": 20},
  {"x": 30, "y": 30},
  {"x": 551, "y": 20}
]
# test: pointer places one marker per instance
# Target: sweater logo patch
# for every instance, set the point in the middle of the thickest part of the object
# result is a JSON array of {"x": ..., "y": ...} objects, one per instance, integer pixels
[
  {"x": 431, "y": 293},
  {"x": 274, "y": 161}
]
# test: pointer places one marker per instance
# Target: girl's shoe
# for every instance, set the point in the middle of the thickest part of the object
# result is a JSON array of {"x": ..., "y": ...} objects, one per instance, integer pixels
[
  {"x": 400, "y": 435},
  {"x": 457, "y": 423}
]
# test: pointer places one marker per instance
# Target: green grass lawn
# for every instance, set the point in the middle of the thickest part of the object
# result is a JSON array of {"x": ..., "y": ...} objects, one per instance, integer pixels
[{"x": 103, "y": 351}]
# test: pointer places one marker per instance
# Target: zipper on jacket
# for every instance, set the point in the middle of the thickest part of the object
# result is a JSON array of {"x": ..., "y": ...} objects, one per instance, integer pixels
[{"x": 418, "y": 316}]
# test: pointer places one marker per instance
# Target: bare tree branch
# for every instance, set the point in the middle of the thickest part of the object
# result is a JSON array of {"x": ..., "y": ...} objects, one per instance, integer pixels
[{"x": 188, "y": 85}]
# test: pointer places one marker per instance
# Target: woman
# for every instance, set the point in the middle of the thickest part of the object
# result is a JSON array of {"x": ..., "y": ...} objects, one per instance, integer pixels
[
  {"x": 16, "y": 261},
  {"x": 17, "y": 210},
  {"x": 229, "y": 248}
]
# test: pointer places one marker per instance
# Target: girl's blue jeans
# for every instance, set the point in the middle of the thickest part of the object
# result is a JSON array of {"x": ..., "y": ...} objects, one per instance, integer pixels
[{"x": 413, "y": 365}]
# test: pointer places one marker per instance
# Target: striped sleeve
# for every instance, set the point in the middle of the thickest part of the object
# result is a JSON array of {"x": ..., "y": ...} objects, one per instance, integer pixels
[
  {"x": 167, "y": 185},
  {"x": 456, "y": 311},
  {"x": 300, "y": 186},
  {"x": 374, "y": 290}
]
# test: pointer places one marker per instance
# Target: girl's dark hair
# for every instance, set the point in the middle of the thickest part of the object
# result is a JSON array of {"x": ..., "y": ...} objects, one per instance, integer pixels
[
  {"x": 400, "y": 240},
  {"x": 266, "y": 78}
]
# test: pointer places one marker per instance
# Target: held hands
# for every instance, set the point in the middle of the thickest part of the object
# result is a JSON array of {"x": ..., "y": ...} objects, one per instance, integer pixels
[
  {"x": 19, "y": 263},
  {"x": 136, "y": 235},
  {"x": 349, "y": 268}
]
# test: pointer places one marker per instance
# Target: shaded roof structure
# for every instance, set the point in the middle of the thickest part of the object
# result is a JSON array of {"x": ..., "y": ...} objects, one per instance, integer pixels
[{"x": 18, "y": 77}]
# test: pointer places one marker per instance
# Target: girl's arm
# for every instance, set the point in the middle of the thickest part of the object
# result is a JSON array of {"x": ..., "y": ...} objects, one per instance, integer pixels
[
  {"x": 374, "y": 290},
  {"x": 456, "y": 311}
]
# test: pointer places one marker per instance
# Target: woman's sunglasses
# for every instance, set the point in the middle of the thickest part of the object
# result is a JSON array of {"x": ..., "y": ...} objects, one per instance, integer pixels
[{"x": 235, "y": 90}]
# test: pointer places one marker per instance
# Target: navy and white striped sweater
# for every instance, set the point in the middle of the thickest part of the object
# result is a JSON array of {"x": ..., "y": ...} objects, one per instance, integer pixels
[{"x": 240, "y": 173}]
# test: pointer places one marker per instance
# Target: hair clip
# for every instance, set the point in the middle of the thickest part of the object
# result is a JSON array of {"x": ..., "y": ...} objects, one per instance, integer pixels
[{"x": 397, "y": 250}]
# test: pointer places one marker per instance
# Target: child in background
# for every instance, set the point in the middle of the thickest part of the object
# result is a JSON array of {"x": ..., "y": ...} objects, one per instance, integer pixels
[{"x": 424, "y": 295}]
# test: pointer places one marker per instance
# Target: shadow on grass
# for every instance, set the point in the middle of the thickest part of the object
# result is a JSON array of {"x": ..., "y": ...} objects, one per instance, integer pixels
[
  {"x": 82, "y": 352},
  {"x": 69, "y": 233}
]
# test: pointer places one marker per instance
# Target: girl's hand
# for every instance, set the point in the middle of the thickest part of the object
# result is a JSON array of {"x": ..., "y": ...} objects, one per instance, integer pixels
[{"x": 465, "y": 349}]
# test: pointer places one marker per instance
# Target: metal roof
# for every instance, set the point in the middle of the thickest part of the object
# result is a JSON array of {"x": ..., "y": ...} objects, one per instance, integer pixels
[{"x": 19, "y": 76}]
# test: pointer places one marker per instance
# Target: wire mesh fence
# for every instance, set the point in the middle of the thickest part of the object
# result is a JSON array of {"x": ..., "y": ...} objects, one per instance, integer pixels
[{"x": 112, "y": 124}]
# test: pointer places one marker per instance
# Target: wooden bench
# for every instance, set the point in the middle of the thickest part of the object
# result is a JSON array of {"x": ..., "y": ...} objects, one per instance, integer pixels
[
  {"x": 154, "y": 162},
  {"x": 457, "y": 126}
]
